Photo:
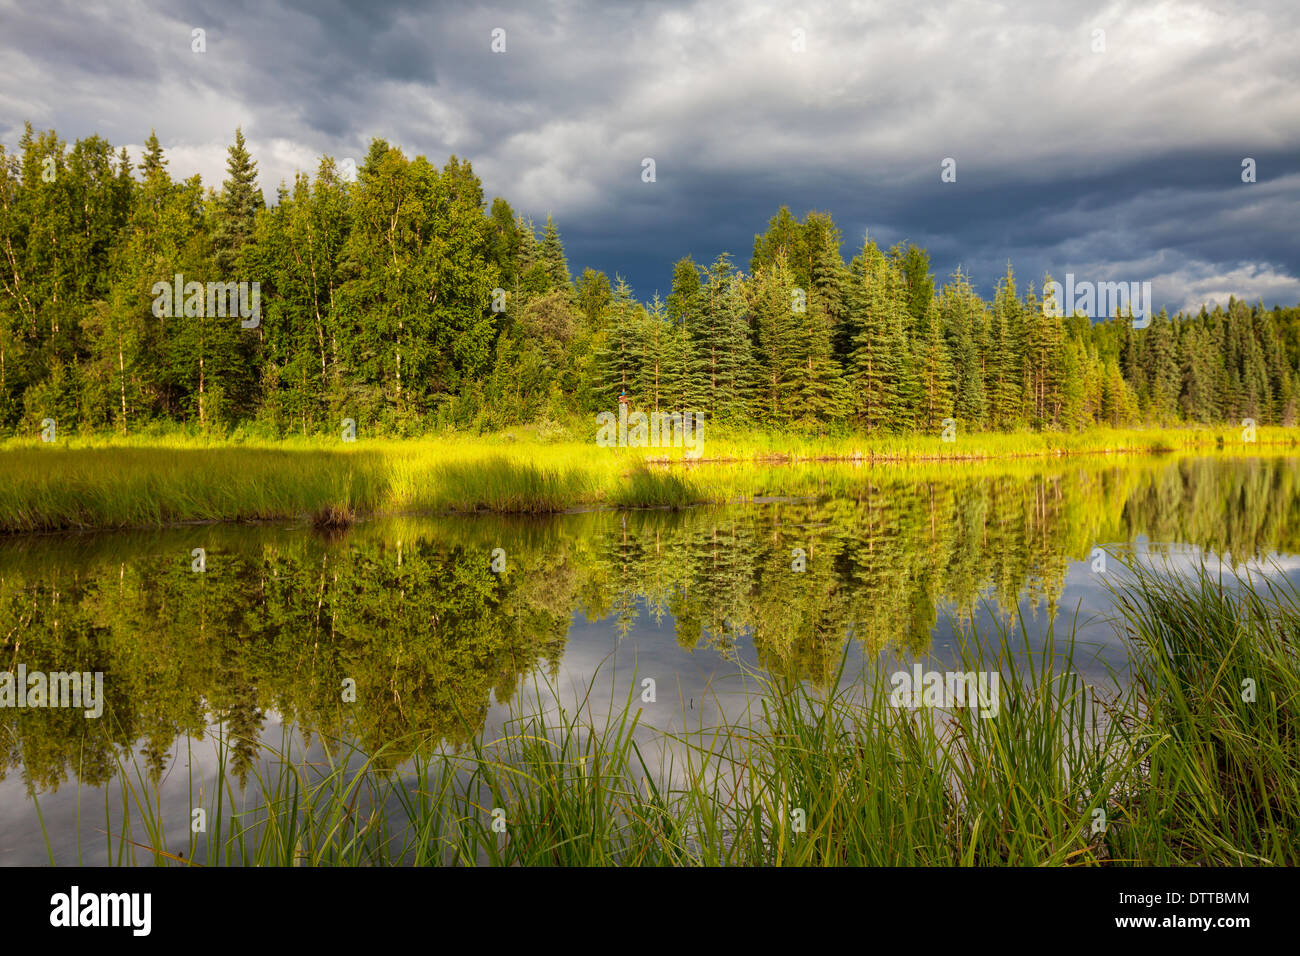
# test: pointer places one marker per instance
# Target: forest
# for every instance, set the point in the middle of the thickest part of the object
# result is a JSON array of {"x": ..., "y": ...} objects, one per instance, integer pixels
[{"x": 406, "y": 302}]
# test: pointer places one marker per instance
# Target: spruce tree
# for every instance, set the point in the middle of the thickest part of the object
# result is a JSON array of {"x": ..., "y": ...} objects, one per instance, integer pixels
[
  {"x": 919, "y": 281},
  {"x": 552, "y": 255},
  {"x": 783, "y": 238},
  {"x": 822, "y": 393},
  {"x": 935, "y": 370},
  {"x": 725, "y": 341},
  {"x": 1006, "y": 356},
  {"x": 777, "y": 349},
  {"x": 617, "y": 359},
  {"x": 686, "y": 382},
  {"x": 965, "y": 322},
  {"x": 1045, "y": 372},
  {"x": 236, "y": 209},
  {"x": 877, "y": 315}
]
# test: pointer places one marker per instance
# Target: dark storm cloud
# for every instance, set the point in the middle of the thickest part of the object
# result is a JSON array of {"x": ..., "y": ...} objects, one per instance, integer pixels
[
  {"x": 70, "y": 38},
  {"x": 1114, "y": 163}
]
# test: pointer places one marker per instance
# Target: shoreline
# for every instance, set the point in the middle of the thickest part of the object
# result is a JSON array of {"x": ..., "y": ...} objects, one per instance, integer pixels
[{"x": 110, "y": 483}]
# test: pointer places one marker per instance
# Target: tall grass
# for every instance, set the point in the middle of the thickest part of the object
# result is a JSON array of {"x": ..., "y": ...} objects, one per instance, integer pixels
[
  {"x": 884, "y": 786},
  {"x": 1217, "y": 674},
  {"x": 56, "y": 488},
  {"x": 498, "y": 483},
  {"x": 99, "y": 483},
  {"x": 1170, "y": 766}
]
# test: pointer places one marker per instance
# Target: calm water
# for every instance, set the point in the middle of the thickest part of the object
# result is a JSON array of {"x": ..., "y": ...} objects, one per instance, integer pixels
[{"x": 260, "y": 643}]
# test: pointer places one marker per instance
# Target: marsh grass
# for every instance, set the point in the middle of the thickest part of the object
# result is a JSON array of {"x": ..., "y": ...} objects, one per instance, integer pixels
[
  {"x": 1184, "y": 771},
  {"x": 724, "y": 445},
  {"x": 334, "y": 516},
  {"x": 1217, "y": 677},
  {"x": 649, "y": 487},
  {"x": 139, "y": 482},
  {"x": 58, "y": 488},
  {"x": 510, "y": 486}
]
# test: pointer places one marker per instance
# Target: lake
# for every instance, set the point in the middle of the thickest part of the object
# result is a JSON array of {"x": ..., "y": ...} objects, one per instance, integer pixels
[{"x": 415, "y": 635}]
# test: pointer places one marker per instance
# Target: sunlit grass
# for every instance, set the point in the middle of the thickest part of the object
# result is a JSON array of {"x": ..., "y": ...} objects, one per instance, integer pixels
[{"x": 99, "y": 482}]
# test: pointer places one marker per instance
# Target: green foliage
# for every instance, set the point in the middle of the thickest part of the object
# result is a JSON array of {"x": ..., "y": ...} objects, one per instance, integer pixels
[
  {"x": 880, "y": 368},
  {"x": 404, "y": 302}
]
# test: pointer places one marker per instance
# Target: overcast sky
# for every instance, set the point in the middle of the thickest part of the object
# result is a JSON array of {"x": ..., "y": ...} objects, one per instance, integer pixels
[{"x": 1123, "y": 164}]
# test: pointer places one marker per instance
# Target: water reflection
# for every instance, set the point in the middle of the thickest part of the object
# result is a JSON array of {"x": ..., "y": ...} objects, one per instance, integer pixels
[{"x": 412, "y": 612}]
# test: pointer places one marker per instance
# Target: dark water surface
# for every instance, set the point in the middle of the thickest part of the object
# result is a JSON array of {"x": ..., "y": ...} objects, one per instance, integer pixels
[{"x": 258, "y": 646}]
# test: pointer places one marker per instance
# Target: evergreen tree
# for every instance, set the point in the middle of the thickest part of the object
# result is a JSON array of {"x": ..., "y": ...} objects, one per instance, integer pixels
[
  {"x": 1006, "y": 356},
  {"x": 821, "y": 391},
  {"x": 236, "y": 209},
  {"x": 782, "y": 239},
  {"x": 965, "y": 323},
  {"x": 1045, "y": 371},
  {"x": 1119, "y": 408},
  {"x": 505, "y": 243},
  {"x": 724, "y": 341},
  {"x": 1163, "y": 374},
  {"x": 686, "y": 385},
  {"x": 593, "y": 297},
  {"x": 935, "y": 368},
  {"x": 910, "y": 389},
  {"x": 552, "y": 255},
  {"x": 877, "y": 316},
  {"x": 618, "y": 354},
  {"x": 654, "y": 340},
  {"x": 1073, "y": 414},
  {"x": 777, "y": 353},
  {"x": 1196, "y": 399},
  {"x": 534, "y": 279},
  {"x": 919, "y": 281}
]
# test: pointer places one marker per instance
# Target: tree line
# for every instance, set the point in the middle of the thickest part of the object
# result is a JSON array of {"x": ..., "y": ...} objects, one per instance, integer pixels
[{"x": 401, "y": 299}]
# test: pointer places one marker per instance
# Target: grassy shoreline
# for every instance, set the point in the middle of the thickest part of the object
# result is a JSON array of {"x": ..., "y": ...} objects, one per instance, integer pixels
[
  {"x": 114, "y": 482},
  {"x": 1176, "y": 767}
]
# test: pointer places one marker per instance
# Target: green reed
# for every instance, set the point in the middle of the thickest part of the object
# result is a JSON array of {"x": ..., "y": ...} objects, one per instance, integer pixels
[
  {"x": 147, "y": 482},
  {"x": 1216, "y": 669},
  {"x": 1169, "y": 766}
]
